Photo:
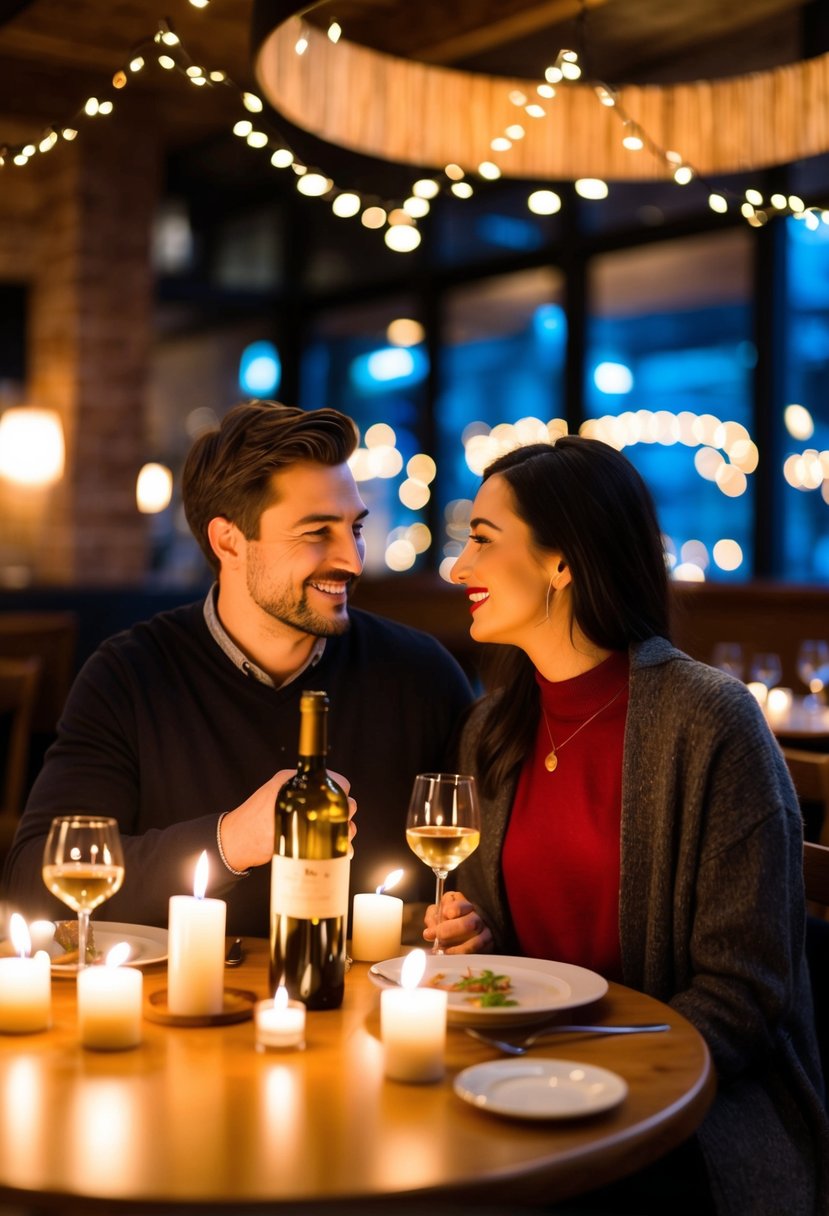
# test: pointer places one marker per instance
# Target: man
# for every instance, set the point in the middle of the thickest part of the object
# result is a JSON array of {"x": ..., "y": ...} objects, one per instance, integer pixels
[{"x": 184, "y": 727}]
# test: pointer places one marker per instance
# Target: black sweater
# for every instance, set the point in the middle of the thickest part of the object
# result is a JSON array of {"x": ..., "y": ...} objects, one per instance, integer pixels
[{"x": 163, "y": 732}]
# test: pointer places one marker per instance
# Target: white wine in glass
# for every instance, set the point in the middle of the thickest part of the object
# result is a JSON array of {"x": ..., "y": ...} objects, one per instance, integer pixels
[
  {"x": 83, "y": 865},
  {"x": 443, "y": 827}
]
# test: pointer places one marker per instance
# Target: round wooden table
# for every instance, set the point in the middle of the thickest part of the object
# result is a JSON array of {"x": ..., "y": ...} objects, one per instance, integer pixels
[{"x": 197, "y": 1119}]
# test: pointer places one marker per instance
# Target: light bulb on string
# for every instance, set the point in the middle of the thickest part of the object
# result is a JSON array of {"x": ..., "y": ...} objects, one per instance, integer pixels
[
  {"x": 282, "y": 158},
  {"x": 515, "y": 131},
  {"x": 119, "y": 80},
  {"x": 251, "y": 102},
  {"x": 461, "y": 189},
  {"x": 373, "y": 217},
  {"x": 257, "y": 139},
  {"x": 335, "y": 32},
  {"x": 243, "y": 128},
  {"x": 489, "y": 170},
  {"x": 683, "y": 174},
  {"x": 314, "y": 184},
  {"x": 346, "y": 204},
  {"x": 454, "y": 172},
  {"x": 500, "y": 144},
  {"x": 425, "y": 187},
  {"x": 167, "y": 62},
  {"x": 632, "y": 139},
  {"x": 718, "y": 203},
  {"x": 402, "y": 238},
  {"x": 136, "y": 63},
  {"x": 416, "y": 207}
]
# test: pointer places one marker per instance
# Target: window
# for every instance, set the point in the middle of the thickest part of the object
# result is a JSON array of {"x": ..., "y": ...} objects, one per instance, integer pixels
[{"x": 668, "y": 378}]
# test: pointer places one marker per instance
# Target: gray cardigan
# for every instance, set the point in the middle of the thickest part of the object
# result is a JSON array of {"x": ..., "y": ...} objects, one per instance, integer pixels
[{"x": 711, "y": 917}]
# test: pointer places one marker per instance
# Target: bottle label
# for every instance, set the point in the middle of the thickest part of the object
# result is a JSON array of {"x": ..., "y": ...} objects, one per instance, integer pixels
[{"x": 308, "y": 889}]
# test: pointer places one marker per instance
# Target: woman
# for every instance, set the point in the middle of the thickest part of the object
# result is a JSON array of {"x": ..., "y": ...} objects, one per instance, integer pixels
[{"x": 638, "y": 815}]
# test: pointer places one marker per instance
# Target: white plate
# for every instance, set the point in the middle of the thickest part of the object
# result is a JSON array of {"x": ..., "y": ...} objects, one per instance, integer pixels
[
  {"x": 148, "y": 944},
  {"x": 539, "y": 986},
  {"x": 540, "y": 1089}
]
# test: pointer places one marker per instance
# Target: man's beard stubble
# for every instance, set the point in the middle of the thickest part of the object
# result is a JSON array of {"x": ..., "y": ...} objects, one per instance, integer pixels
[{"x": 296, "y": 612}]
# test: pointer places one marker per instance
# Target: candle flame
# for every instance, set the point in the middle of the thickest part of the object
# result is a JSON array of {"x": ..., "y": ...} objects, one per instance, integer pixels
[
  {"x": 118, "y": 954},
  {"x": 19, "y": 933},
  {"x": 280, "y": 997},
  {"x": 411, "y": 973},
  {"x": 200, "y": 881},
  {"x": 391, "y": 880}
]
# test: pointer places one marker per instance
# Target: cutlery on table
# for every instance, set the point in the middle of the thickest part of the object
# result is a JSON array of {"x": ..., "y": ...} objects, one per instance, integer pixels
[
  {"x": 235, "y": 953},
  {"x": 524, "y": 1044}
]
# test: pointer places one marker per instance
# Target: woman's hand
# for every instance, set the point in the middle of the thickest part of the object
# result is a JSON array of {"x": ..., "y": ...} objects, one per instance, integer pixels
[
  {"x": 462, "y": 930},
  {"x": 247, "y": 831}
]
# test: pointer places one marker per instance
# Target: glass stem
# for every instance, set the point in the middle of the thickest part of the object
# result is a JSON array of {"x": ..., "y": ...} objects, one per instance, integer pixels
[
  {"x": 441, "y": 879},
  {"x": 83, "y": 934}
]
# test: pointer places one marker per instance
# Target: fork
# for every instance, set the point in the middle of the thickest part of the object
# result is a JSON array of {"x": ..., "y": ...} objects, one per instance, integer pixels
[{"x": 520, "y": 1048}]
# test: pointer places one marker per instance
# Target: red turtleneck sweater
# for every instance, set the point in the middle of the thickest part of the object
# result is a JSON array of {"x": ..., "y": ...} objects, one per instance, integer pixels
[{"x": 561, "y": 852}]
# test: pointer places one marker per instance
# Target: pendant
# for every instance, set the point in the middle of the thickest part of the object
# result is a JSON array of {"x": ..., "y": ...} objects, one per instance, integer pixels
[{"x": 551, "y": 761}]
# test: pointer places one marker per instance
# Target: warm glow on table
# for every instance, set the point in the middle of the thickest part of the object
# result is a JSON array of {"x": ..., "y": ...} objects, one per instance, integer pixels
[{"x": 197, "y": 1118}]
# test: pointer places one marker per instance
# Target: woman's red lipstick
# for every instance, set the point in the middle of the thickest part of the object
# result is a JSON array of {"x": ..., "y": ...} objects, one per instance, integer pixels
[{"x": 474, "y": 604}]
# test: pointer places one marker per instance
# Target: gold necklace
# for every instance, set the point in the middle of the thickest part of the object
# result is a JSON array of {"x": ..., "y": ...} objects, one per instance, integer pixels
[{"x": 551, "y": 759}]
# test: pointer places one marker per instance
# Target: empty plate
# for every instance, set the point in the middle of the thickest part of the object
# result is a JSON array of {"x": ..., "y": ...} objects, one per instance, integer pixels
[{"x": 540, "y": 1089}]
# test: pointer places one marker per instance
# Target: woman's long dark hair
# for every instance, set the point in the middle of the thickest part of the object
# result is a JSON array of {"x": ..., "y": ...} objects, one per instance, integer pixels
[{"x": 583, "y": 499}]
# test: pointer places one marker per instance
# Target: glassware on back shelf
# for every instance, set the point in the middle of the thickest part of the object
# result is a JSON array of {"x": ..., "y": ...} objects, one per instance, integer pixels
[{"x": 728, "y": 657}]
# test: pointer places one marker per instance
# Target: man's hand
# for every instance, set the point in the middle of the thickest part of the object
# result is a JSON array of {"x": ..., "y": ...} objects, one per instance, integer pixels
[
  {"x": 462, "y": 931},
  {"x": 247, "y": 831}
]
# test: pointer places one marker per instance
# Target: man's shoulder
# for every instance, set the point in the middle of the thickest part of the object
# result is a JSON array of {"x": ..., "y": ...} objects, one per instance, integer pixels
[{"x": 161, "y": 632}]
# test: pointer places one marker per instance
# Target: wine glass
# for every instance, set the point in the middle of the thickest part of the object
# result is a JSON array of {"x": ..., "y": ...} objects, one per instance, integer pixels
[
  {"x": 728, "y": 657},
  {"x": 443, "y": 826},
  {"x": 766, "y": 668},
  {"x": 83, "y": 865},
  {"x": 813, "y": 666}
]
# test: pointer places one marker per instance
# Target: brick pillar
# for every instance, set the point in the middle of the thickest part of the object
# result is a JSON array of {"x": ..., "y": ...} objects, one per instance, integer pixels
[{"x": 90, "y": 320}]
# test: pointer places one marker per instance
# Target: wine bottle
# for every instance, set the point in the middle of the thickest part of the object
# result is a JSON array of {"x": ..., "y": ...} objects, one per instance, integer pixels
[{"x": 310, "y": 871}]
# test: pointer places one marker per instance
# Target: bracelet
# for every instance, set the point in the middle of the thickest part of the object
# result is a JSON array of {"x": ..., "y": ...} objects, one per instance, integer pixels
[{"x": 226, "y": 863}]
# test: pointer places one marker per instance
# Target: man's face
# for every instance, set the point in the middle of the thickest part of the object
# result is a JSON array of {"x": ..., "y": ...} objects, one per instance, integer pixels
[{"x": 309, "y": 550}]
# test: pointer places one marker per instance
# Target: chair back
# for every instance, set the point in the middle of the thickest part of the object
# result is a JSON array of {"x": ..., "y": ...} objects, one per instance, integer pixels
[
  {"x": 816, "y": 873},
  {"x": 19, "y": 682},
  {"x": 52, "y": 638},
  {"x": 810, "y": 776}
]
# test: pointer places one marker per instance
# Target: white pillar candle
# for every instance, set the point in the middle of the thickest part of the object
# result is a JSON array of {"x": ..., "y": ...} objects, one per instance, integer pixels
[
  {"x": 280, "y": 1023},
  {"x": 377, "y": 923},
  {"x": 109, "y": 1003},
  {"x": 413, "y": 1026},
  {"x": 196, "y": 941},
  {"x": 25, "y": 985}
]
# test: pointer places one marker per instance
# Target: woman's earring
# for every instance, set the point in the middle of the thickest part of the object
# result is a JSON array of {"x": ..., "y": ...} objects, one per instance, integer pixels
[{"x": 547, "y": 603}]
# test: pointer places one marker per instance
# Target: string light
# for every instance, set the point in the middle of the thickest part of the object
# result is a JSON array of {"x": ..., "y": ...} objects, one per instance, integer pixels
[{"x": 170, "y": 55}]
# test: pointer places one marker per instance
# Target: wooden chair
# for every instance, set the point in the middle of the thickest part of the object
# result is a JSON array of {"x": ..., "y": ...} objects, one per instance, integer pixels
[
  {"x": 810, "y": 776},
  {"x": 19, "y": 686},
  {"x": 52, "y": 638}
]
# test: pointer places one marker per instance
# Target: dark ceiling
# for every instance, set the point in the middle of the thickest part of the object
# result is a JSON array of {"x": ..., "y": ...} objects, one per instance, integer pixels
[{"x": 54, "y": 54}]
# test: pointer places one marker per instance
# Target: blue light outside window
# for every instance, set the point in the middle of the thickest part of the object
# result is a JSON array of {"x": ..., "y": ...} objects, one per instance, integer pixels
[
  {"x": 806, "y": 383},
  {"x": 699, "y": 361},
  {"x": 260, "y": 370},
  {"x": 372, "y": 383}
]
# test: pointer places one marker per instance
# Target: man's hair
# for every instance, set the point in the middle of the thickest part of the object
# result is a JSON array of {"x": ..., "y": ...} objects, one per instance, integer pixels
[{"x": 228, "y": 471}]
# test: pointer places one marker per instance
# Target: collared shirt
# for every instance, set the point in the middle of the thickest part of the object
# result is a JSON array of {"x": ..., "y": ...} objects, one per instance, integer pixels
[{"x": 239, "y": 658}]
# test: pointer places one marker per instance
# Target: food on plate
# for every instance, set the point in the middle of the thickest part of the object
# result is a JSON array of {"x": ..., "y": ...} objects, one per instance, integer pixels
[
  {"x": 66, "y": 936},
  {"x": 484, "y": 989}
]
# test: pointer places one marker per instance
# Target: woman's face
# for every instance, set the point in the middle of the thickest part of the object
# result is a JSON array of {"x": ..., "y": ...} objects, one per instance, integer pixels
[{"x": 506, "y": 574}]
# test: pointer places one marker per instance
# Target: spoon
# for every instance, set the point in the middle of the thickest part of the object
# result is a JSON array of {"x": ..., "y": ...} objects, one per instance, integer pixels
[
  {"x": 235, "y": 953},
  {"x": 523, "y": 1045}
]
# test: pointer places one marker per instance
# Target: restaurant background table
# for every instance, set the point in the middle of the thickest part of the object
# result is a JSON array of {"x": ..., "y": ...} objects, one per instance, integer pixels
[{"x": 196, "y": 1118}]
